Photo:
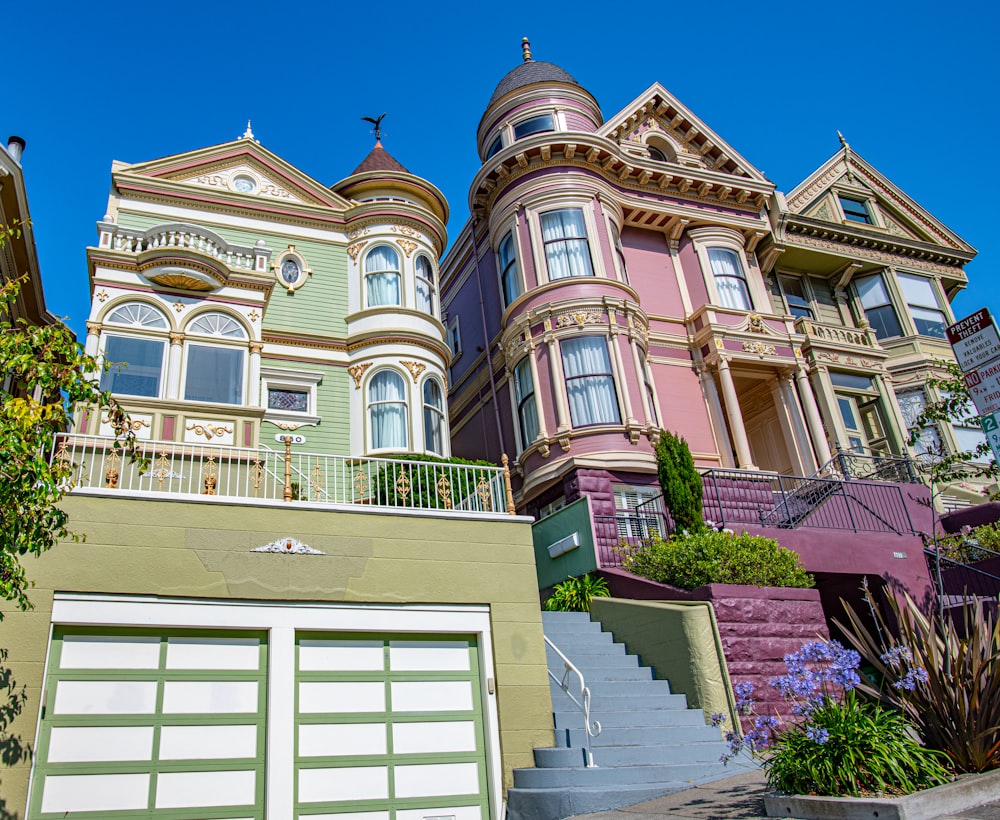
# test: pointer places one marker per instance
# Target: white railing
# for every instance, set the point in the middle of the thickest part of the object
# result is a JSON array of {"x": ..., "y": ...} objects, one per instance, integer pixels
[
  {"x": 248, "y": 474},
  {"x": 188, "y": 237},
  {"x": 592, "y": 728}
]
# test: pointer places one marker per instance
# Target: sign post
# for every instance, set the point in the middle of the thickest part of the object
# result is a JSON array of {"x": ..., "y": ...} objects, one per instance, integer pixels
[{"x": 976, "y": 345}]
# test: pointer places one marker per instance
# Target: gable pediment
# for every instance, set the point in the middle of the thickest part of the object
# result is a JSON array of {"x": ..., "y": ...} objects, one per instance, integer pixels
[
  {"x": 847, "y": 177},
  {"x": 658, "y": 119},
  {"x": 241, "y": 168}
]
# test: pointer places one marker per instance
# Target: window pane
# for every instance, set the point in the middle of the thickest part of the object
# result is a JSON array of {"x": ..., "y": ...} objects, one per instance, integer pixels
[
  {"x": 387, "y": 410},
  {"x": 295, "y": 401},
  {"x": 847, "y": 413},
  {"x": 509, "y": 276},
  {"x": 433, "y": 418},
  {"x": 851, "y": 380},
  {"x": 730, "y": 282},
  {"x": 567, "y": 252},
  {"x": 872, "y": 291},
  {"x": 383, "y": 289},
  {"x": 795, "y": 295},
  {"x": 141, "y": 359},
  {"x": 928, "y": 322},
  {"x": 589, "y": 382},
  {"x": 917, "y": 290},
  {"x": 884, "y": 322},
  {"x": 495, "y": 146},
  {"x": 524, "y": 395},
  {"x": 533, "y": 126},
  {"x": 855, "y": 210},
  {"x": 138, "y": 314},
  {"x": 214, "y": 374}
]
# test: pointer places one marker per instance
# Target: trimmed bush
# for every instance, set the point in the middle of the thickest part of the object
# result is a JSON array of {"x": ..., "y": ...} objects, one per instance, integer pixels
[
  {"x": 690, "y": 560},
  {"x": 680, "y": 482}
]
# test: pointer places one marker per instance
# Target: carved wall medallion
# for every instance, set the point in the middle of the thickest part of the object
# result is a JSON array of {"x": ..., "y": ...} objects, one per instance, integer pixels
[
  {"x": 358, "y": 232},
  {"x": 357, "y": 372},
  {"x": 354, "y": 250},
  {"x": 253, "y": 315},
  {"x": 415, "y": 368},
  {"x": 755, "y": 324},
  {"x": 135, "y": 425},
  {"x": 404, "y": 230},
  {"x": 407, "y": 246},
  {"x": 288, "y": 546},
  {"x": 102, "y": 296},
  {"x": 178, "y": 306},
  {"x": 209, "y": 431},
  {"x": 284, "y": 425},
  {"x": 759, "y": 348}
]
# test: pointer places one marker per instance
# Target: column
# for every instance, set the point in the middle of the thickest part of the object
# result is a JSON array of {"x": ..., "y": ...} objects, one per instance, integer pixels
[
  {"x": 558, "y": 385},
  {"x": 174, "y": 365},
  {"x": 898, "y": 430},
  {"x": 539, "y": 409},
  {"x": 785, "y": 413},
  {"x": 93, "y": 339},
  {"x": 716, "y": 416},
  {"x": 253, "y": 387},
  {"x": 735, "y": 416},
  {"x": 643, "y": 378},
  {"x": 619, "y": 370},
  {"x": 813, "y": 419},
  {"x": 797, "y": 416}
]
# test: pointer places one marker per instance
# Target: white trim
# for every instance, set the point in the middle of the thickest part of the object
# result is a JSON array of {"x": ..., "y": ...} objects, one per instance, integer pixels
[
  {"x": 282, "y": 619},
  {"x": 289, "y": 379}
]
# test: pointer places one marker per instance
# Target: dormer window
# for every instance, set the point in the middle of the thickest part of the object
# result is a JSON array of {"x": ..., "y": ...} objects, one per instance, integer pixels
[
  {"x": 856, "y": 210},
  {"x": 534, "y": 125}
]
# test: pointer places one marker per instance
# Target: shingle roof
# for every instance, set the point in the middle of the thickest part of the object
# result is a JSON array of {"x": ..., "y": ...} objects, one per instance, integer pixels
[
  {"x": 379, "y": 160},
  {"x": 530, "y": 72}
]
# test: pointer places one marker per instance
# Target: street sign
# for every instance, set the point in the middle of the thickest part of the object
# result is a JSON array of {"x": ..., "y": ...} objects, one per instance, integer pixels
[
  {"x": 991, "y": 426},
  {"x": 984, "y": 388},
  {"x": 974, "y": 340}
]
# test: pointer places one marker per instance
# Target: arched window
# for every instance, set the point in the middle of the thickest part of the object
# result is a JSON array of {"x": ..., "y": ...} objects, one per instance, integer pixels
[
  {"x": 213, "y": 372},
  {"x": 660, "y": 149},
  {"x": 433, "y": 418},
  {"x": 425, "y": 285},
  {"x": 382, "y": 276},
  {"x": 387, "y": 411},
  {"x": 730, "y": 281},
  {"x": 590, "y": 384},
  {"x": 137, "y": 362}
]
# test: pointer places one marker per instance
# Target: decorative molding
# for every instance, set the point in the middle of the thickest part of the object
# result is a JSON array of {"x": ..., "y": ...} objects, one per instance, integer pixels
[
  {"x": 284, "y": 425},
  {"x": 357, "y": 372},
  {"x": 288, "y": 546},
  {"x": 755, "y": 324},
  {"x": 256, "y": 347},
  {"x": 253, "y": 316},
  {"x": 404, "y": 230},
  {"x": 176, "y": 338},
  {"x": 355, "y": 249},
  {"x": 358, "y": 232},
  {"x": 580, "y": 318},
  {"x": 94, "y": 328},
  {"x": 135, "y": 425},
  {"x": 209, "y": 431},
  {"x": 102, "y": 296},
  {"x": 415, "y": 368},
  {"x": 407, "y": 246},
  {"x": 760, "y": 349},
  {"x": 178, "y": 306}
]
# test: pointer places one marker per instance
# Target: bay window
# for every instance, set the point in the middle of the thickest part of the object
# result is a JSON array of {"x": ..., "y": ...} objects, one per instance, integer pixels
[
  {"x": 214, "y": 373},
  {"x": 918, "y": 292},
  {"x": 510, "y": 279},
  {"x": 879, "y": 312},
  {"x": 567, "y": 251},
  {"x": 382, "y": 276},
  {"x": 590, "y": 383},
  {"x": 387, "y": 411},
  {"x": 425, "y": 284},
  {"x": 524, "y": 397},
  {"x": 136, "y": 366}
]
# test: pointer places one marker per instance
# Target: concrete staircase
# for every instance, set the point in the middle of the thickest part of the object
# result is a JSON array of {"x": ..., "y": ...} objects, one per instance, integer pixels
[{"x": 651, "y": 743}]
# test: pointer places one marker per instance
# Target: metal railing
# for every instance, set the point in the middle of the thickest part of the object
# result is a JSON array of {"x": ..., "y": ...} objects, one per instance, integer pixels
[
  {"x": 772, "y": 499},
  {"x": 872, "y": 466},
  {"x": 959, "y": 580},
  {"x": 592, "y": 728},
  {"x": 616, "y": 535},
  {"x": 240, "y": 473}
]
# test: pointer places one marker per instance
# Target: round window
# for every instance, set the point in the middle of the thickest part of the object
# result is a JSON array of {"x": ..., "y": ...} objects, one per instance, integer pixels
[{"x": 244, "y": 184}]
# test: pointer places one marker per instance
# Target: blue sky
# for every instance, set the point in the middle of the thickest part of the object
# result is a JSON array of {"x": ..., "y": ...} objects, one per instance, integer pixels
[{"x": 912, "y": 85}]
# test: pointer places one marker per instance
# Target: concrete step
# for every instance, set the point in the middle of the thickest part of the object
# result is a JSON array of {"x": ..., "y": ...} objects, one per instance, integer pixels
[
  {"x": 645, "y": 718},
  {"x": 615, "y": 775},
  {"x": 623, "y": 686},
  {"x": 604, "y": 674},
  {"x": 638, "y": 736},
  {"x": 662, "y": 755},
  {"x": 581, "y": 641},
  {"x": 606, "y": 703},
  {"x": 559, "y": 803},
  {"x": 597, "y": 660}
]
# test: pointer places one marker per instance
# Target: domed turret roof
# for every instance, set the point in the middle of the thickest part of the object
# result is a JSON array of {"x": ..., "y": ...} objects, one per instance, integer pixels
[{"x": 530, "y": 72}]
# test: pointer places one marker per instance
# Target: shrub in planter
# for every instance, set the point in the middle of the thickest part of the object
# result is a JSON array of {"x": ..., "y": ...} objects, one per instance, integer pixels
[
  {"x": 690, "y": 560},
  {"x": 943, "y": 676},
  {"x": 680, "y": 481},
  {"x": 575, "y": 594},
  {"x": 837, "y": 744}
]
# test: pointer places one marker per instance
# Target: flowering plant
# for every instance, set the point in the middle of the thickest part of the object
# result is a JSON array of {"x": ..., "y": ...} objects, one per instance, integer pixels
[{"x": 835, "y": 743}]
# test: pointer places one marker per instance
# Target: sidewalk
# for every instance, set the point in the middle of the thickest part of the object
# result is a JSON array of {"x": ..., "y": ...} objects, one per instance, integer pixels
[{"x": 740, "y": 797}]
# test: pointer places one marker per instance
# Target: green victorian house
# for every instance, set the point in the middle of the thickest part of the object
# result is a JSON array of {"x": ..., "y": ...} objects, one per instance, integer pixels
[{"x": 293, "y": 611}]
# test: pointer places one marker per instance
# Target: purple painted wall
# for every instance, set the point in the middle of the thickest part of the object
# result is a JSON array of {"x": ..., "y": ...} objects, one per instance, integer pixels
[
  {"x": 693, "y": 276},
  {"x": 650, "y": 272}
]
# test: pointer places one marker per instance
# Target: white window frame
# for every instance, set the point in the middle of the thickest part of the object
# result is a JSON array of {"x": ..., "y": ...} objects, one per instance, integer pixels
[
  {"x": 933, "y": 284},
  {"x": 365, "y": 274},
  {"x": 431, "y": 284},
  {"x": 515, "y": 262},
  {"x": 521, "y": 444},
  {"x": 161, "y": 337},
  {"x": 612, "y": 373},
  {"x": 455, "y": 338},
  {"x": 442, "y": 413},
  {"x": 231, "y": 343},
  {"x": 590, "y": 231},
  {"x": 280, "y": 378},
  {"x": 730, "y": 240},
  {"x": 407, "y": 403},
  {"x": 304, "y": 270}
]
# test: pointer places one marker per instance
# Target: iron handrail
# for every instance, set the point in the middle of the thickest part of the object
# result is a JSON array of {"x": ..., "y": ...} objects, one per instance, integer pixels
[{"x": 593, "y": 728}]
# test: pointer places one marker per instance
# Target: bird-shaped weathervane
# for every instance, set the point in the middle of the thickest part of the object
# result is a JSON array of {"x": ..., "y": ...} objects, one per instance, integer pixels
[{"x": 377, "y": 122}]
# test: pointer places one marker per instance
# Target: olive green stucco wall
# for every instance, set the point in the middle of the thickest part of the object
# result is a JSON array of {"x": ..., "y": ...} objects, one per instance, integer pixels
[{"x": 191, "y": 549}]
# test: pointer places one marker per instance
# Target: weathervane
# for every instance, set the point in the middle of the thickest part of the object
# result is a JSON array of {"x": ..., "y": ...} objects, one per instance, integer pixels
[{"x": 377, "y": 122}]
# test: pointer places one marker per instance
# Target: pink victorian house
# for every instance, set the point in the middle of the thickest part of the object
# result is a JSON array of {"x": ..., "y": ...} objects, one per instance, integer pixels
[{"x": 622, "y": 275}]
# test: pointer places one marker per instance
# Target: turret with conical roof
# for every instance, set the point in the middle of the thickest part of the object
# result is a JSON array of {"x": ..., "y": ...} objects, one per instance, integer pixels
[{"x": 535, "y": 97}]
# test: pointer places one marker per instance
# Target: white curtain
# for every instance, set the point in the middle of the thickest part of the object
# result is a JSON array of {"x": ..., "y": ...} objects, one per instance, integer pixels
[
  {"x": 433, "y": 418},
  {"x": 589, "y": 383},
  {"x": 567, "y": 252},
  {"x": 387, "y": 411},
  {"x": 729, "y": 281},
  {"x": 425, "y": 285},
  {"x": 382, "y": 276},
  {"x": 524, "y": 393}
]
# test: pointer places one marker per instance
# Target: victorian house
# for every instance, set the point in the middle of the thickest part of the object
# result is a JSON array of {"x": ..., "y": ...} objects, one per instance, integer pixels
[
  {"x": 625, "y": 274},
  {"x": 292, "y": 610}
]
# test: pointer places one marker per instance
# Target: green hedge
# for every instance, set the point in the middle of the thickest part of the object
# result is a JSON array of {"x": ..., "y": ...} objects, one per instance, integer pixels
[
  {"x": 423, "y": 491},
  {"x": 692, "y": 560}
]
